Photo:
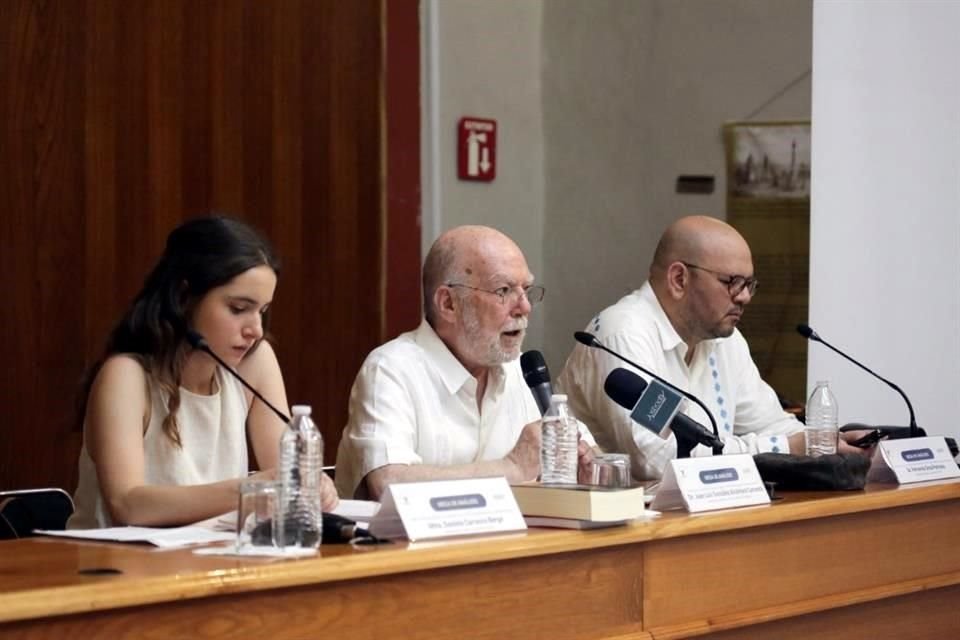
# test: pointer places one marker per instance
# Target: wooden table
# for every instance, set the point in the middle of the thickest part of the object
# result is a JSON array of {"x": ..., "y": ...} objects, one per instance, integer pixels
[{"x": 882, "y": 563}]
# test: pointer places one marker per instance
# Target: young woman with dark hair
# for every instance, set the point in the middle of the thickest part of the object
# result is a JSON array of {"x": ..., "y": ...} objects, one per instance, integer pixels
[{"x": 165, "y": 427}]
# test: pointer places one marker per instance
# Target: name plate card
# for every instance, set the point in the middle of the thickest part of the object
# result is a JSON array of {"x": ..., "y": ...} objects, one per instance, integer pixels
[
  {"x": 447, "y": 508},
  {"x": 710, "y": 483},
  {"x": 912, "y": 460}
]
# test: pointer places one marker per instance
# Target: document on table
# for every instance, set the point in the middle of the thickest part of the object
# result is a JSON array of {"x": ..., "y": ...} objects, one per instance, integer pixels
[
  {"x": 360, "y": 511},
  {"x": 220, "y": 528},
  {"x": 165, "y": 538}
]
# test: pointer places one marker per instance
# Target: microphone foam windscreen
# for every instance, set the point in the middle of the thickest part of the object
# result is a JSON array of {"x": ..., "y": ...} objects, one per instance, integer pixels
[
  {"x": 584, "y": 338},
  {"x": 624, "y": 387}
]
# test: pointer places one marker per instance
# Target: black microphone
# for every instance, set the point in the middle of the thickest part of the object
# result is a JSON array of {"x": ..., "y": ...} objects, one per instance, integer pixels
[
  {"x": 338, "y": 529},
  {"x": 590, "y": 340},
  {"x": 625, "y": 388},
  {"x": 197, "y": 342},
  {"x": 537, "y": 377},
  {"x": 914, "y": 430}
]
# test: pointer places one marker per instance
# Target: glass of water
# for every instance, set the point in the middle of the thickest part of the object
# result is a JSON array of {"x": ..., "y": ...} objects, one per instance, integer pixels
[
  {"x": 257, "y": 514},
  {"x": 611, "y": 470}
]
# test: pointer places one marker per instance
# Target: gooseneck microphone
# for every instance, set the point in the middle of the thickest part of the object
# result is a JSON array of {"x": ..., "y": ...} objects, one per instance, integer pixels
[
  {"x": 335, "y": 528},
  {"x": 590, "y": 340},
  {"x": 537, "y": 377},
  {"x": 197, "y": 342},
  {"x": 338, "y": 529},
  {"x": 810, "y": 334},
  {"x": 625, "y": 388}
]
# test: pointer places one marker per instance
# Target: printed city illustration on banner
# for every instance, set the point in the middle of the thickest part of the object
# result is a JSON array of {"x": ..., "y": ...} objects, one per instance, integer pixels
[{"x": 768, "y": 201}]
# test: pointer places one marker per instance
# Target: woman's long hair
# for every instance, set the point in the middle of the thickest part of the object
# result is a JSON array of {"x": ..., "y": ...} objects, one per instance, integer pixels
[{"x": 200, "y": 255}]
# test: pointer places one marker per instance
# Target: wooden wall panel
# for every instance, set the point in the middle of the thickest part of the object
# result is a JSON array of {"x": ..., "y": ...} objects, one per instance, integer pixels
[
  {"x": 121, "y": 118},
  {"x": 43, "y": 230}
]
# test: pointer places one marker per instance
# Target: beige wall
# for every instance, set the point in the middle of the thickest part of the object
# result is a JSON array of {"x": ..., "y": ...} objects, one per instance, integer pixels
[
  {"x": 484, "y": 60},
  {"x": 602, "y": 104}
]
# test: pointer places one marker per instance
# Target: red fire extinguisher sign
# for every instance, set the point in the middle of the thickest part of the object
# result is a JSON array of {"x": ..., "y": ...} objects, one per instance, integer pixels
[{"x": 477, "y": 149}]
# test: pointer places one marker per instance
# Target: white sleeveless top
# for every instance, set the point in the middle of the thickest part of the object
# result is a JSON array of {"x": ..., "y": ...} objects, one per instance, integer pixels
[{"x": 213, "y": 434}]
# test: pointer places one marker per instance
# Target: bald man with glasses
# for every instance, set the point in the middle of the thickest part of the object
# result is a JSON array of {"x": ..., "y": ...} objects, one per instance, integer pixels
[
  {"x": 448, "y": 400},
  {"x": 682, "y": 324}
]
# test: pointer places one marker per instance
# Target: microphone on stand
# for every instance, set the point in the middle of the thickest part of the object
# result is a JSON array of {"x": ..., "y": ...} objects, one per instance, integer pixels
[
  {"x": 590, "y": 340},
  {"x": 913, "y": 430},
  {"x": 336, "y": 529},
  {"x": 627, "y": 389},
  {"x": 537, "y": 377},
  {"x": 197, "y": 342}
]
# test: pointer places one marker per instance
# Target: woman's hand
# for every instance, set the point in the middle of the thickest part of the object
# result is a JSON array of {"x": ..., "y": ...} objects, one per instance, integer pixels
[{"x": 328, "y": 493}]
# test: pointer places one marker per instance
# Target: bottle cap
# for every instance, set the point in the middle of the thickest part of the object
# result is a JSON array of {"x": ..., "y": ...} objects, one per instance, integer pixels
[
  {"x": 558, "y": 397},
  {"x": 301, "y": 409}
]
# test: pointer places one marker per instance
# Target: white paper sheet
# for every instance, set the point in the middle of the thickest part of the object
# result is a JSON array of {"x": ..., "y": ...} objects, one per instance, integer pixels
[
  {"x": 220, "y": 528},
  {"x": 257, "y": 552},
  {"x": 359, "y": 510},
  {"x": 168, "y": 538}
]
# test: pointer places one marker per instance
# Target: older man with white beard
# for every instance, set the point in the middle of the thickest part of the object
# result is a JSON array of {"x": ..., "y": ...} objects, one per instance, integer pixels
[{"x": 448, "y": 399}]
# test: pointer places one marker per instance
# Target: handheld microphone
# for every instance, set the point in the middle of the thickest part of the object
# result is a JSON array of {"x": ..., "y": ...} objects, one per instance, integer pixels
[
  {"x": 626, "y": 388},
  {"x": 537, "y": 377},
  {"x": 915, "y": 431},
  {"x": 197, "y": 342},
  {"x": 590, "y": 340}
]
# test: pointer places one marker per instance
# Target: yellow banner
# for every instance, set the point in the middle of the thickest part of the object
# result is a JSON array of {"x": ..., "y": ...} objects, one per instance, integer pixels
[{"x": 768, "y": 201}]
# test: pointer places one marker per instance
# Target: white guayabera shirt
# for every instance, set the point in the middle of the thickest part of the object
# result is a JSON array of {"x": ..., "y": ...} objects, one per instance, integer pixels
[
  {"x": 414, "y": 403},
  {"x": 721, "y": 374}
]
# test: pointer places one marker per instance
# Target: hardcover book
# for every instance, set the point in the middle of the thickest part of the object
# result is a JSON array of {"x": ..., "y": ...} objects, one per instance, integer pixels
[
  {"x": 579, "y": 501},
  {"x": 570, "y": 523}
]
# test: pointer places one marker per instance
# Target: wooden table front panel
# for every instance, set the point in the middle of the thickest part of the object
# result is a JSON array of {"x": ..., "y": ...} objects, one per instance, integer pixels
[
  {"x": 589, "y": 594},
  {"x": 927, "y": 615},
  {"x": 768, "y": 572},
  {"x": 885, "y": 558}
]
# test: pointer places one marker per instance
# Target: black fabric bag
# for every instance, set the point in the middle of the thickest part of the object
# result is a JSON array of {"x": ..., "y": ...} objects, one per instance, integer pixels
[
  {"x": 23, "y": 511},
  {"x": 837, "y": 472}
]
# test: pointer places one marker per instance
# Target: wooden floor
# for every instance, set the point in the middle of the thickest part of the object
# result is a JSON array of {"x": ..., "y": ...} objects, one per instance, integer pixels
[{"x": 881, "y": 563}]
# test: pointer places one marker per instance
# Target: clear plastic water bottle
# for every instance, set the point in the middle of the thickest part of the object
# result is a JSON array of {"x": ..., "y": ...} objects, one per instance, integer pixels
[
  {"x": 301, "y": 466},
  {"x": 821, "y": 431},
  {"x": 558, "y": 449}
]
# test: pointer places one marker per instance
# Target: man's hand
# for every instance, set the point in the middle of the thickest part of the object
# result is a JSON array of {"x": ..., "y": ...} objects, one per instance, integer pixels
[
  {"x": 846, "y": 437},
  {"x": 798, "y": 444},
  {"x": 525, "y": 455},
  {"x": 584, "y": 460}
]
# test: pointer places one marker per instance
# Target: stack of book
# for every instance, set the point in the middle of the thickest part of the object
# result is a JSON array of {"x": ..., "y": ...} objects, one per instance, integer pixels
[{"x": 577, "y": 506}]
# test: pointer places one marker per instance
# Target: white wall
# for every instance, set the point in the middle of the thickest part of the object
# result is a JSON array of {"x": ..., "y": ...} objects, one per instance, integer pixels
[
  {"x": 636, "y": 93},
  {"x": 885, "y": 219},
  {"x": 482, "y": 59}
]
